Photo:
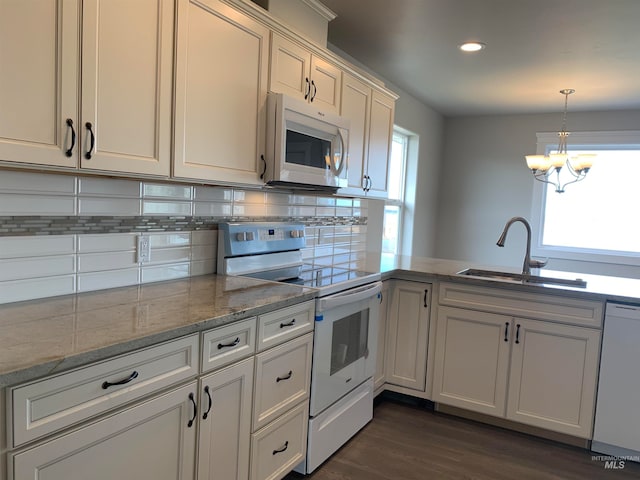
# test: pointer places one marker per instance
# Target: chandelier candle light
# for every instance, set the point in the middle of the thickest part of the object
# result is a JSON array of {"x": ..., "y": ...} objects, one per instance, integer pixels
[{"x": 544, "y": 167}]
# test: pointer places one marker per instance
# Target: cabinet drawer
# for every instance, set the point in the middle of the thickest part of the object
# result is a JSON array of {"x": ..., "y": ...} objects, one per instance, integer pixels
[
  {"x": 53, "y": 403},
  {"x": 282, "y": 379},
  {"x": 282, "y": 325},
  {"x": 227, "y": 344},
  {"x": 149, "y": 440},
  {"x": 555, "y": 308},
  {"x": 280, "y": 446}
]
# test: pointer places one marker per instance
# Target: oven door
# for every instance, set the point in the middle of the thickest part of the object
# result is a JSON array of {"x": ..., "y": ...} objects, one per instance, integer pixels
[{"x": 345, "y": 340}]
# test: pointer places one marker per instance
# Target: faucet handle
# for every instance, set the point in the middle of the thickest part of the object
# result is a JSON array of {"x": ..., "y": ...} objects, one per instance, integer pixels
[{"x": 538, "y": 263}]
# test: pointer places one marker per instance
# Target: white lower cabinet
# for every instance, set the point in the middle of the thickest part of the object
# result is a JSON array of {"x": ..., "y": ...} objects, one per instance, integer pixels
[
  {"x": 554, "y": 374},
  {"x": 147, "y": 415},
  {"x": 225, "y": 423},
  {"x": 280, "y": 446},
  {"x": 379, "y": 376},
  {"x": 407, "y": 335},
  {"x": 535, "y": 372},
  {"x": 471, "y": 360},
  {"x": 154, "y": 439}
]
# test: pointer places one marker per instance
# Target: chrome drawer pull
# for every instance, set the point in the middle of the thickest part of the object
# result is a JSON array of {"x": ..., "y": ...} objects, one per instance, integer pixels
[
  {"x": 288, "y": 324},
  {"x": 226, "y": 345},
  {"x": 286, "y": 377},
  {"x": 281, "y": 449},
  {"x": 132, "y": 377}
]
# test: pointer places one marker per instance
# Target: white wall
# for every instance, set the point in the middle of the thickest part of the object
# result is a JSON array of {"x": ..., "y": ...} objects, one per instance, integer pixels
[{"x": 485, "y": 182}]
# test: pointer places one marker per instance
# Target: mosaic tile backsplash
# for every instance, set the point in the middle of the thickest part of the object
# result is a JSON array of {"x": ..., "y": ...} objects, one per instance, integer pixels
[{"x": 62, "y": 234}]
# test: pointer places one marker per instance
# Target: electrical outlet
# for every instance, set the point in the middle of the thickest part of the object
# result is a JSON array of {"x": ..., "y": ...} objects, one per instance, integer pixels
[{"x": 144, "y": 249}]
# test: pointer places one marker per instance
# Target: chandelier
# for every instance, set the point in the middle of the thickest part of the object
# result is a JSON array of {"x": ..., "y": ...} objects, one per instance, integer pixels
[{"x": 548, "y": 168}]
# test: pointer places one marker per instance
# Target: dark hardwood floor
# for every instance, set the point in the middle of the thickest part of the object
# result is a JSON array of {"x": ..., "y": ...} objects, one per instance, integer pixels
[{"x": 404, "y": 442}]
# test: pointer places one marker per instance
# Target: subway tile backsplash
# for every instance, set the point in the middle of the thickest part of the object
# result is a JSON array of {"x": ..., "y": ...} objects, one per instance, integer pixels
[{"x": 62, "y": 234}]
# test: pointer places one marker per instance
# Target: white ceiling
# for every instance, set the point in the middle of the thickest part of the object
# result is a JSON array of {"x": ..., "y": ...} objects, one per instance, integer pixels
[{"x": 534, "y": 49}]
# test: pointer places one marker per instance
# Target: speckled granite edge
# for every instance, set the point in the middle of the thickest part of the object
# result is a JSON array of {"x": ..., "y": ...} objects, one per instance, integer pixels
[
  {"x": 599, "y": 287},
  {"x": 68, "y": 362}
]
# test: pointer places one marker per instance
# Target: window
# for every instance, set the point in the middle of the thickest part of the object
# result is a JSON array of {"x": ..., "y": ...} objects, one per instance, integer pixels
[
  {"x": 392, "y": 226},
  {"x": 593, "y": 220}
]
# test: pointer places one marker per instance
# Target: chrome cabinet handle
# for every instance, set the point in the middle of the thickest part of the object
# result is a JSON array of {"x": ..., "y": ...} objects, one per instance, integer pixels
[
  {"x": 506, "y": 331},
  {"x": 195, "y": 411},
  {"x": 69, "y": 152},
  {"x": 227, "y": 345},
  {"x": 286, "y": 377},
  {"x": 131, "y": 377},
  {"x": 288, "y": 324},
  {"x": 93, "y": 141},
  {"x": 281, "y": 449},
  {"x": 206, "y": 414}
]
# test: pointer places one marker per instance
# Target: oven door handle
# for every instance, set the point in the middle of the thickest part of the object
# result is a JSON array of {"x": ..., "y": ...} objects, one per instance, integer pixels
[{"x": 350, "y": 296}]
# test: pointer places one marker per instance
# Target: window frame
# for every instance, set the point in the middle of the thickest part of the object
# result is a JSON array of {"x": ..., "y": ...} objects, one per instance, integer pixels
[
  {"x": 400, "y": 203},
  {"x": 598, "y": 140}
]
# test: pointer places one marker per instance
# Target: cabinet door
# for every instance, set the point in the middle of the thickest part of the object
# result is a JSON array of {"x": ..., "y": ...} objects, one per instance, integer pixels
[
  {"x": 472, "y": 360},
  {"x": 379, "y": 377},
  {"x": 39, "y": 55},
  {"x": 290, "y": 67},
  {"x": 150, "y": 440},
  {"x": 127, "y": 71},
  {"x": 407, "y": 333},
  {"x": 380, "y": 135},
  {"x": 221, "y": 89},
  {"x": 553, "y": 376},
  {"x": 355, "y": 105},
  {"x": 225, "y": 431},
  {"x": 326, "y": 84}
]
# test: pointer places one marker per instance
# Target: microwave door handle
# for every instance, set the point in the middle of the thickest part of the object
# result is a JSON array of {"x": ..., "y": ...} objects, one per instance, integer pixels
[{"x": 338, "y": 171}]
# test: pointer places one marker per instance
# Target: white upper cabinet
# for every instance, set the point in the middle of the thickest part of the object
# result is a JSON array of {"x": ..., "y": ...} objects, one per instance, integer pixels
[
  {"x": 356, "y": 106},
  {"x": 300, "y": 74},
  {"x": 38, "y": 81},
  {"x": 371, "y": 113},
  {"x": 221, "y": 87},
  {"x": 119, "y": 118},
  {"x": 127, "y": 68},
  {"x": 380, "y": 135}
]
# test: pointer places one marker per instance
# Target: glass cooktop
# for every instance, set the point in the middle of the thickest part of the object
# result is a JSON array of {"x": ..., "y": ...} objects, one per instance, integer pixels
[{"x": 333, "y": 279}]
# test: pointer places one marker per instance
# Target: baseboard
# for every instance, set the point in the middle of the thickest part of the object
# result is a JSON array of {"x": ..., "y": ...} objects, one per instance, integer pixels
[{"x": 518, "y": 427}]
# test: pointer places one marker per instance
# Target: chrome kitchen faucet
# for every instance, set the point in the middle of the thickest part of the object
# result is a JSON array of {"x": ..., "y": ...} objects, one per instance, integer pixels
[{"x": 528, "y": 262}]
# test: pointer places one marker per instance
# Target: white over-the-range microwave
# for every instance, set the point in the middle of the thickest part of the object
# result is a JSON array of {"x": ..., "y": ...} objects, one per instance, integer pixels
[{"x": 306, "y": 147}]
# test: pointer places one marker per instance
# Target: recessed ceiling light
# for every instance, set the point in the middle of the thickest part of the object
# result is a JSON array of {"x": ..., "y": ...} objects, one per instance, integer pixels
[{"x": 472, "y": 46}]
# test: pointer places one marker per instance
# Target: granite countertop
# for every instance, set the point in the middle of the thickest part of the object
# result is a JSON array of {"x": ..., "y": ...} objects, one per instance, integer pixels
[
  {"x": 599, "y": 287},
  {"x": 42, "y": 337}
]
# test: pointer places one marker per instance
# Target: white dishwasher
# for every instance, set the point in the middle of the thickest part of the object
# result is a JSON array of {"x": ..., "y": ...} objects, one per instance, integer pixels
[{"x": 617, "y": 425}]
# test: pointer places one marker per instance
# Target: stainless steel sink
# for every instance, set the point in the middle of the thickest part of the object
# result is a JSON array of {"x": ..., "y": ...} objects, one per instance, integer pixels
[{"x": 521, "y": 278}]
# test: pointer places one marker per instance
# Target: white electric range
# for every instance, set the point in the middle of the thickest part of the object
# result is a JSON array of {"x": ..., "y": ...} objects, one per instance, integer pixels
[{"x": 346, "y": 327}]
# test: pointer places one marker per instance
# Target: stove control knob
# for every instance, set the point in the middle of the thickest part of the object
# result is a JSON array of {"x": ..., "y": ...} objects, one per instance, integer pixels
[
  {"x": 241, "y": 236},
  {"x": 297, "y": 233},
  {"x": 249, "y": 236},
  {"x": 301, "y": 233}
]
